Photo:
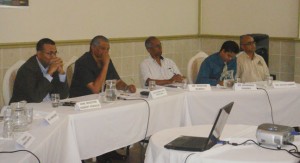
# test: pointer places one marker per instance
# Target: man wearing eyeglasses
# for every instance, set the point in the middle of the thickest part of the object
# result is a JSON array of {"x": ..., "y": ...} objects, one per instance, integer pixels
[
  {"x": 158, "y": 68},
  {"x": 251, "y": 67},
  {"x": 41, "y": 75},
  {"x": 214, "y": 68}
]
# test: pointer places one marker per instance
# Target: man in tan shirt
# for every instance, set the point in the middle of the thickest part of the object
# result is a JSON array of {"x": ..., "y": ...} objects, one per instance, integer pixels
[{"x": 251, "y": 67}]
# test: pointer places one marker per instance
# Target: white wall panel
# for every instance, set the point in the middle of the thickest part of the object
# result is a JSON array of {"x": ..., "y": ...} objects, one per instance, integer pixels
[{"x": 83, "y": 19}]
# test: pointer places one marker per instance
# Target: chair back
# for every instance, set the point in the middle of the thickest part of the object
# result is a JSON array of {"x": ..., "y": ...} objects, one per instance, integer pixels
[
  {"x": 69, "y": 69},
  {"x": 194, "y": 66},
  {"x": 9, "y": 80}
]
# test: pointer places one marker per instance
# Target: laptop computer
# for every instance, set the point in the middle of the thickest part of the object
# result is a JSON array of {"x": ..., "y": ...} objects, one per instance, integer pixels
[{"x": 190, "y": 143}]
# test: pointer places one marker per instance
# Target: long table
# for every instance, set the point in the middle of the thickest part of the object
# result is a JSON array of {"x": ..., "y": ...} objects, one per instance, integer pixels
[
  {"x": 250, "y": 107},
  {"x": 120, "y": 123},
  {"x": 91, "y": 133}
]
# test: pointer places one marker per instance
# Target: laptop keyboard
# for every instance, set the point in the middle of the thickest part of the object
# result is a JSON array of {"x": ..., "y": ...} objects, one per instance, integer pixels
[{"x": 187, "y": 141}]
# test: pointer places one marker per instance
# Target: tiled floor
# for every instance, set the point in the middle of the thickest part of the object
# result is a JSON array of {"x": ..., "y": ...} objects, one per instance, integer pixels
[{"x": 136, "y": 155}]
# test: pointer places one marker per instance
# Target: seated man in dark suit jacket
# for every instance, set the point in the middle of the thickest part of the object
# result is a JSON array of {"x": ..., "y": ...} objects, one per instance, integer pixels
[{"x": 41, "y": 75}]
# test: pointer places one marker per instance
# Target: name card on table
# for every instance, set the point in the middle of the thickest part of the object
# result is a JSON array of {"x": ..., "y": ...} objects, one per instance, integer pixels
[
  {"x": 199, "y": 87},
  {"x": 241, "y": 86},
  {"x": 52, "y": 117},
  {"x": 86, "y": 105},
  {"x": 25, "y": 140},
  {"x": 158, "y": 93},
  {"x": 284, "y": 85}
]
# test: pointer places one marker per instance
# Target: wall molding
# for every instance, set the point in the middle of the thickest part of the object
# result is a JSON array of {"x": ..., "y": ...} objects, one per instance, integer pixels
[
  {"x": 87, "y": 41},
  {"x": 134, "y": 39},
  {"x": 237, "y": 37}
]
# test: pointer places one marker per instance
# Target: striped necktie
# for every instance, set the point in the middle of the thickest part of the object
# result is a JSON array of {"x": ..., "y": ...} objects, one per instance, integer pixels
[{"x": 224, "y": 73}]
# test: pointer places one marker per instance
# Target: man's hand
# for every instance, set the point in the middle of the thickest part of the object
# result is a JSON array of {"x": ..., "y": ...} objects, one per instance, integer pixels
[
  {"x": 105, "y": 59},
  {"x": 56, "y": 64},
  {"x": 177, "y": 78},
  {"x": 131, "y": 88}
]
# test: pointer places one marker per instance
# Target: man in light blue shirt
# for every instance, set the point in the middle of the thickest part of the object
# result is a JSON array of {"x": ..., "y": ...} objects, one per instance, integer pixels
[
  {"x": 215, "y": 65},
  {"x": 41, "y": 75}
]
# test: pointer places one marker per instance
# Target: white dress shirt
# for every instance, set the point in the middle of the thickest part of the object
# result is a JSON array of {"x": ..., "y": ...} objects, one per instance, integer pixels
[
  {"x": 251, "y": 70},
  {"x": 62, "y": 78},
  {"x": 149, "y": 68}
]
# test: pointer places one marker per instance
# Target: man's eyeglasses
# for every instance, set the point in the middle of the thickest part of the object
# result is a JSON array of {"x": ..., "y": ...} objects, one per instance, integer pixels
[
  {"x": 249, "y": 43},
  {"x": 51, "y": 53},
  {"x": 156, "y": 46},
  {"x": 102, "y": 47}
]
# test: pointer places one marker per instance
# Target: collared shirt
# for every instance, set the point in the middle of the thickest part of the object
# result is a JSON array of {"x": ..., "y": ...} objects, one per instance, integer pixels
[
  {"x": 251, "y": 70},
  {"x": 212, "y": 68},
  {"x": 62, "y": 77},
  {"x": 149, "y": 68},
  {"x": 86, "y": 71}
]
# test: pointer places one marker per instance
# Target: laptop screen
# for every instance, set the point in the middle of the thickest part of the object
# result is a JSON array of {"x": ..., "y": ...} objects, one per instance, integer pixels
[
  {"x": 192, "y": 143},
  {"x": 219, "y": 124}
]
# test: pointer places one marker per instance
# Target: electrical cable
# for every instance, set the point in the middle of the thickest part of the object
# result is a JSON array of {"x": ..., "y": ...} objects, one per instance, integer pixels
[
  {"x": 295, "y": 153},
  {"x": 269, "y": 104},
  {"x": 288, "y": 143},
  {"x": 148, "y": 120},
  {"x": 188, "y": 157},
  {"x": 22, "y": 151}
]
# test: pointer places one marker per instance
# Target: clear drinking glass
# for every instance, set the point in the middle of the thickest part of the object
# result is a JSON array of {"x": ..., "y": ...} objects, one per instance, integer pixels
[
  {"x": 270, "y": 80},
  {"x": 18, "y": 116},
  {"x": 7, "y": 114},
  {"x": 184, "y": 83},
  {"x": 228, "y": 79},
  {"x": 238, "y": 80},
  {"x": 152, "y": 85},
  {"x": 55, "y": 98},
  {"x": 29, "y": 114},
  {"x": 8, "y": 128},
  {"x": 110, "y": 90}
]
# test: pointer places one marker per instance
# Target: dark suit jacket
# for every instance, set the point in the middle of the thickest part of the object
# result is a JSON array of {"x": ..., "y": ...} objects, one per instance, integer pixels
[{"x": 32, "y": 86}]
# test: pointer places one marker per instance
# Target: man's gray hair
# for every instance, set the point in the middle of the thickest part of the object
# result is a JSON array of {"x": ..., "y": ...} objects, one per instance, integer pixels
[{"x": 97, "y": 39}]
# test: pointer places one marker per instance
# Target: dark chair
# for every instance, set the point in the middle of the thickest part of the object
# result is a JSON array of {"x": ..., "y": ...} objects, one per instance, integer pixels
[{"x": 262, "y": 47}]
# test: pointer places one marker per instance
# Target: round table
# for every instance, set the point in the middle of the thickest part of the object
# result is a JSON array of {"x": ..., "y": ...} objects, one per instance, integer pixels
[{"x": 250, "y": 153}]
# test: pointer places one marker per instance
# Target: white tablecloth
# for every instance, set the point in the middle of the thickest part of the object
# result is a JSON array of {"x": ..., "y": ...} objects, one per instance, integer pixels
[
  {"x": 250, "y": 107},
  {"x": 121, "y": 123},
  {"x": 90, "y": 133},
  {"x": 156, "y": 153}
]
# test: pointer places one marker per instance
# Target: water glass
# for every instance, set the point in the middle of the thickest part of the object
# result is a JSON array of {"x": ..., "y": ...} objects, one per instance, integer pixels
[
  {"x": 238, "y": 80},
  {"x": 152, "y": 85},
  {"x": 270, "y": 80},
  {"x": 55, "y": 98},
  {"x": 18, "y": 116},
  {"x": 102, "y": 97},
  {"x": 8, "y": 128},
  {"x": 228, "y": 83},
  {"x": 29, "y": 114},
  {"x": 7, "y": 114},
  {"x": 184, "y": 83},
  {"x": 110, "y": 90}
]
